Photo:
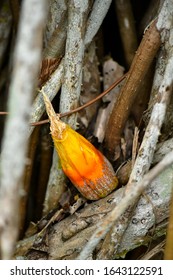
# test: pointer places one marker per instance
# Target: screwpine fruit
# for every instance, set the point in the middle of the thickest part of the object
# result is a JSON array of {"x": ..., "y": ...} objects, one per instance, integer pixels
[{"x": 86, "y": 167}]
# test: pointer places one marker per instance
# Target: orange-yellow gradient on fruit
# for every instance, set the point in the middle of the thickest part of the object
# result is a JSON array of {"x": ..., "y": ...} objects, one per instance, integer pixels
[{"x": 89, "y": 171}]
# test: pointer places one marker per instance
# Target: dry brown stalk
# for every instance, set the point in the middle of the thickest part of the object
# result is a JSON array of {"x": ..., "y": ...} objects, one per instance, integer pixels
[{"x": 142, "y": 60}]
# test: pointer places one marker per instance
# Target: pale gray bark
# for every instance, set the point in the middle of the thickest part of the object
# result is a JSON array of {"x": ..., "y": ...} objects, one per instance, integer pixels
[
  {"x": 27, "y": 58},
  {"x": 57, "y": 9},
  {"x": 50, "y": 88},
  {"x": 99, "y": 11},
  {"x": 73, "y": 60},
  {"x": 56, "y": 29}
]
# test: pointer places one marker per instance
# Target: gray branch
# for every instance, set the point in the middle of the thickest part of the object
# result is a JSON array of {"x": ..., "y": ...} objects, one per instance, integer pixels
[
  {"x": 56, "y": 29},
  {"x": 99, "y": 11},
  {"x": 74, "y": 53},
  {"x": 50, "y": 88},
  {"x": 27, "y": 58}
]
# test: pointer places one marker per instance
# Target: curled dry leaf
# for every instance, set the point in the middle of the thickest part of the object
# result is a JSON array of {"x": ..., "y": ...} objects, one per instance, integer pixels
[{"x": 89, "y": 171}]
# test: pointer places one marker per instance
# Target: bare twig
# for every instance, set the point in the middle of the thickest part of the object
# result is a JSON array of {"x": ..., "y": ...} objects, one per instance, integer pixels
[
  {"x": 142, "y": 60},
  {"x": 154, "y": 252},
  {"x": 26, "y": 64},
  {"x": 99, "y": 11},
  {"x": 56, "y": 45},
  {"x": 152, "y": 133},
  {"x": 73, "y": 63},
  {"x": 56, "y": 12},
  {"x": 50, "y": 88}
]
